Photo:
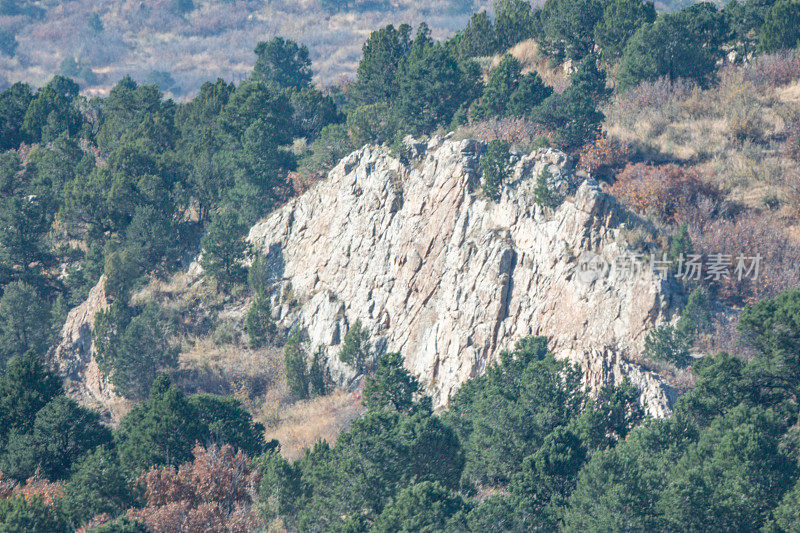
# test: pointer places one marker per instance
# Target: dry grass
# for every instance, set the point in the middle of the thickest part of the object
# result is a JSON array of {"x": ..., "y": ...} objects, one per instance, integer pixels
[
  {"x": 208, "y": 366},
  {"x": 300, "y": 425},
  {"x": 215, "y": 358},
  {"x": 532, "y": 60},
  {"x": 732, "y": 133}
]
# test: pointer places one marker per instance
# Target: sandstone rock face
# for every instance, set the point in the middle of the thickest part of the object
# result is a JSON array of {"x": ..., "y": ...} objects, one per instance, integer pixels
[
  {"x": 448, "y": 278},
  {"x": 74, "y": 358}
]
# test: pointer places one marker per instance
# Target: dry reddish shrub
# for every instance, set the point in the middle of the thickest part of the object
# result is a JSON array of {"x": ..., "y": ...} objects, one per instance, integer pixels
[
  {"x": 6, "y": 487},
  {"x": 650, "y": 106},
  {"x": 518, "y": 132},
  {"x": 665, "y": 191},
  {"x": 46, "y": 490},
  {"x": 603, "y": 157},
  {"x": 95, "y": 522},
  {"x": 773, "y": 70},
  {"x": 750, "y": 235},
  {"x": 303, "y": 182},
  {"x": 215, "y": 493}
]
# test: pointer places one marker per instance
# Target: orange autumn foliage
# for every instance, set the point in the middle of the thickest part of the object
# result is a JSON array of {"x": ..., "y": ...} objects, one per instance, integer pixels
[
  {"x": 214, "y": 493},
  {"x": 664, "y": 191}
]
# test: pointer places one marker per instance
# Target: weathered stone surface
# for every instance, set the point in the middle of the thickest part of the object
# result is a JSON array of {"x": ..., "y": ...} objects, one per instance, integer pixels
[
  {"x": 449, "y": 279},
  {"x": 74, "y": 358}
]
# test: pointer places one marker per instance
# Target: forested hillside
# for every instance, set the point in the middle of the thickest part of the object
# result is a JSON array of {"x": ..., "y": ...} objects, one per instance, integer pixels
[{"x": 691, "y": 119}]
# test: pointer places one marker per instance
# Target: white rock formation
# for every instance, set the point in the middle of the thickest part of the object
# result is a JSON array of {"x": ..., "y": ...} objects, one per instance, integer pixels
[
  {"x": 74, "y": 358},
  {"x": 449, "y": 279}
]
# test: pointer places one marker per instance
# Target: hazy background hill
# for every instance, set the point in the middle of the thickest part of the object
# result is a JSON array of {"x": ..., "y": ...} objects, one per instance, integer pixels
[{"x": 180, "y": 44}]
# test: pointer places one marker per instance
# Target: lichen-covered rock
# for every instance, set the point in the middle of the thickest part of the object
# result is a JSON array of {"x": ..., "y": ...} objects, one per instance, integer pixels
[{"x": 448, "y": 278}]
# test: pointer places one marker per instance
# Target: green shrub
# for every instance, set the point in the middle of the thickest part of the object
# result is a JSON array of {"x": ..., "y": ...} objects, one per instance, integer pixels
[{"x": 666, "y": 343}]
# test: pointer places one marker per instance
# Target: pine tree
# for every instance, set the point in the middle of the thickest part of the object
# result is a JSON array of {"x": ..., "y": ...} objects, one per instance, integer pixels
[
  {"x": 494, "y": 168},
  {"x": 543, "y": 193},
  {"x": 356, "y": 350},
  {"x": 224, "y": 248},
  {"x": 781, "y": 28},
  {"x": 503, "y": 81},
  {"x": 317, "y": 375},
  {"x": 621, "y": 19},
  {"x": 392, "y": 386},
  {"x": 294, "y": 356}
]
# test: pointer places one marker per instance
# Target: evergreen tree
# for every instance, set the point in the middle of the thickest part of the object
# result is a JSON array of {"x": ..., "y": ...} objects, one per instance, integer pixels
[
  {"x": 329, "y": 148},
  {"x": 224, "y": 248},
  {"x": 505, "y": 415},
  {"x": 161, "y": 431},
  {"x": 781, "y": 27},
  {"x": 24, "y": 321},
  {"x": 21, "y": 514},
  {"x": 143, "y": 352},
  {"x": 513, "y": 22},
  {"x": 318, "y": 377},
  {"x": 696, "y": 315},
  {"x": 62, "y": 432},
  {"x": 478, "y": 38},
  {"x": 376, "y": 76},
  {"x": 53, "y": 111},
  {"x": 283, "y": 64},
  {"x": 225, "y": 421},
  {"x": 543, "y": 193},
  {"x": 666, "y": 343},
  {"x": 731, "y": 476},
  {"x": 25, "y": 387},
  {"x": 686, "y": 44},
  {"x": 392, "y": 386},
  {"x": 123, "y": 524},
  {"x": 573, "y": 115},
  {"x": 98, "y": 486},
  {"x": 356, "y": 349},
  {"x": 426, "y": 506},
  {"x": 503, "y": 82},
  {"x": 744, "y": 21},
  {"x": 374, "y": 123},
  {"x": 431, "y": 84},
  {"x": 681, "y": 243},
  {"x": 14, "y": 103},
  {"x": 620, "y": 20},
  {"x": 24, "y": 247},
  {"x": 547, "y": 478},
  {"x": 494, "y": 168},
  {"x": 258, "y": 322},
  {"x": 294, "y": 356},
  {"x": 255, "y": 125},
  {"x": 313, "y": 111},
  {"x": 201, "y": 144},
  {"x": 11, "y": 181},
  {"x": 567, "y": 27},
  {"x": 530, "y": 92}
]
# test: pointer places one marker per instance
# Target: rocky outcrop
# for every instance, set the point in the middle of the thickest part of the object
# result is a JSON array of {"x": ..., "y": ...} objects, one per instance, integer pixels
[
  {"x": 74, "y": 358},
  {"x": 449, "y": 279}
]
